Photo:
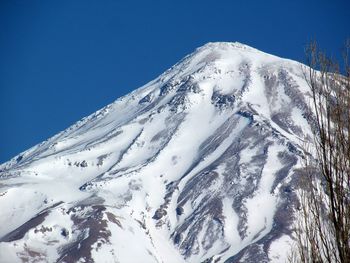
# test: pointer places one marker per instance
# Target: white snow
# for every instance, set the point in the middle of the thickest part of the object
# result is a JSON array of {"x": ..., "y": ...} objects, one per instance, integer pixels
[
  {"x": 261, "y": 207},
  {"x": 278, "y": 251}
]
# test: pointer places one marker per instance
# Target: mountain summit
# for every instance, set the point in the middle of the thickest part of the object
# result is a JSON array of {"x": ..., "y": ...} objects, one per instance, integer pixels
[{"x": 199, "y": 165}]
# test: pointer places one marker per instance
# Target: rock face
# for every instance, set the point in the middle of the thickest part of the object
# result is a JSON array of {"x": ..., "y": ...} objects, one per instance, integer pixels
[{"x": 199, "y": 165}]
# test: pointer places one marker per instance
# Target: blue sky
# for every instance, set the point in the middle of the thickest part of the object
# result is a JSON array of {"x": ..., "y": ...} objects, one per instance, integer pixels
[{"x": 62, "y": 60}]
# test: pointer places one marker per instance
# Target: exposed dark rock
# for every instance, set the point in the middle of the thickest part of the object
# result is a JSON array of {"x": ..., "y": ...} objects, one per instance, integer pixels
[
  {"x": 159, "y": 214},
  {"x": 92, "y": 227},
  {"x": 64, "y": 232},
  {"x": 179, "y": 210},
  {"x": 83, "y": 164},
  {"x": 146, "y": 99},
  {"x": 19, "y": 158},
  {"x": 19, "y": 232},
  {"x": 221, "y": 100}
]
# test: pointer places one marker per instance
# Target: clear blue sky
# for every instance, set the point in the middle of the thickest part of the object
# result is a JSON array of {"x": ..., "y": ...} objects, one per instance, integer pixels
[{"x": 62, "y": 60}]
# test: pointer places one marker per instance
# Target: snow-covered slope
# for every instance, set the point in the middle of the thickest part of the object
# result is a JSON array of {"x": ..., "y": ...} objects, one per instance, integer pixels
[{"x": 200, "y": 164}]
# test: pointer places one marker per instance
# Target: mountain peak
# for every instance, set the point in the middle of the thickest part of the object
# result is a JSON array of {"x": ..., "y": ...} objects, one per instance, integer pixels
[
  {"x": 227, "y": 46},
  {"x": 197, "y": 165},
  {"x": 231, "y": 51}
]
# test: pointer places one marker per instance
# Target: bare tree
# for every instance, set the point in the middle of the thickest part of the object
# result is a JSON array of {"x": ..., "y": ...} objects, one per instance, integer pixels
[{"x": 323, "y": 228}]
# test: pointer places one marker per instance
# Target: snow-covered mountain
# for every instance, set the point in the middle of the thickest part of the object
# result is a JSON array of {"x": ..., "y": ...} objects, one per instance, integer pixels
[{"x": 199, "y": 165}]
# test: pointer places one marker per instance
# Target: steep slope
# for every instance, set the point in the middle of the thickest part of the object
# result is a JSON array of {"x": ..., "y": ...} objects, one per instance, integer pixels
[{"x": 200, "y": 164}]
